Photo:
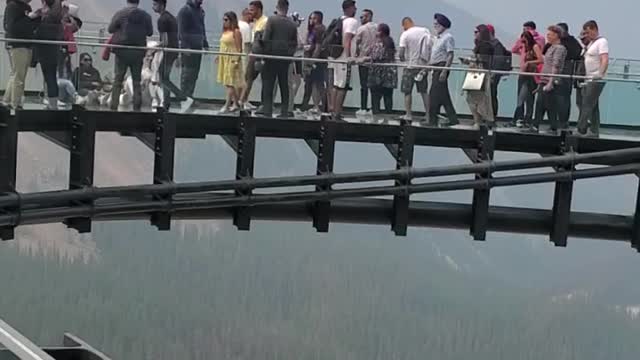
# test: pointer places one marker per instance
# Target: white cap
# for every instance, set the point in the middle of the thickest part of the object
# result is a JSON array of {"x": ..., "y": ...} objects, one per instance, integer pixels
[{"x": 73, "y": 9}]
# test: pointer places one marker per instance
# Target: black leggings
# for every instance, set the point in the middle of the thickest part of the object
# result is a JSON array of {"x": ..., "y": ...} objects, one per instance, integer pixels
[
  {"x": 379, "y": 93},
  {"x": 48, "y": 59}
]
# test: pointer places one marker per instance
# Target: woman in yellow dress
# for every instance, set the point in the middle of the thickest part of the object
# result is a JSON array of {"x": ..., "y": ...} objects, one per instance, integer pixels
[{"x": 229, "y": 66}]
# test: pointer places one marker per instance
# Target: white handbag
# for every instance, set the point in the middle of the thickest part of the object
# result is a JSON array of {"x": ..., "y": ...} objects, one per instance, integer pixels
[{"x": 473, "y": 81}]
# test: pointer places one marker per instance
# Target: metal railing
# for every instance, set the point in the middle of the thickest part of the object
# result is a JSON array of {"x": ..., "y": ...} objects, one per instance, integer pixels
[{"x": 315, "y": 60}]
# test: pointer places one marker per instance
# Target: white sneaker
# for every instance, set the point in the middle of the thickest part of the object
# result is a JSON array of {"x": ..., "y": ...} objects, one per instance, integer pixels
[
  {"x": 368, "y": 113},
  {"x": 186, "y": 105},
  {"x": 249, "y": 107},
  {"x": 361, "y": 112},
  {"x": 223, "y": 110}
]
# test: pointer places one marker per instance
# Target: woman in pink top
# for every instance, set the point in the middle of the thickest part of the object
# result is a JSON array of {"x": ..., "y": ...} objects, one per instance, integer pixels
[{"x": 530, "y": 57}]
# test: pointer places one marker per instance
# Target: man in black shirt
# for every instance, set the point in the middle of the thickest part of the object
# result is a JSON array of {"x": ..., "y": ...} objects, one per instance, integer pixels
[
  {"x": 192, "y": 35},
  {"x": 280, "y": 39},
  {"x": 573, "y": 59},
  {"x": 168, "y": 29},
  {"x": 130, "y": 27}
]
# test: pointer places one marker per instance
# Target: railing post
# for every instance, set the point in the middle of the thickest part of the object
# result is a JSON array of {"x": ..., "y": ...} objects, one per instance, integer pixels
[
  {"x": 81, "y": 164},
  {"x": 482, "y": 197},
  {"x": 8, "y": 162},
  {"x": 404, "y": 160},
  {"x": 635, "y": 232},
  {"x": 163, "y": 164},
  {"x": 244, "y": 168},
  {"x": 326, "y": 156},
  {"x": 562, "y": 197}
]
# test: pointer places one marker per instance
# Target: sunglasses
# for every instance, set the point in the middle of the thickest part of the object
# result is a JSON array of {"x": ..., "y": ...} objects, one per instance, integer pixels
[
  {"x": 86, "y": 60},
  {"x": 225, "y": 19}
]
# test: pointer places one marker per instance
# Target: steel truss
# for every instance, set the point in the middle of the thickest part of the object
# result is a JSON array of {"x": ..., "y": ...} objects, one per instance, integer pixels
[{"x": 165, "y": 200}]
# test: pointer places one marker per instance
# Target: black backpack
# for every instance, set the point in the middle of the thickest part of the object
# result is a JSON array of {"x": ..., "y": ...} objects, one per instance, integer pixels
[
  {"x": 332, "y": 42},
  {"x": 502, "y": 57}
]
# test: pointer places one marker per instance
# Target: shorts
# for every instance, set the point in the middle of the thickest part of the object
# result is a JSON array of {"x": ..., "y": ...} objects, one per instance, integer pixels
[
  {"x": 252, "y": 73},
  {"x": 408, "y": 79},
  {"x": 318, "y": 74},
  {"x": 341, "y": 76}
]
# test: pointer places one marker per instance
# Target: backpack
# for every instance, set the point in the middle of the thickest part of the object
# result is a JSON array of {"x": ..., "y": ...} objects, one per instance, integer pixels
[
  {"x": 331, "y": 45},
  {"x": 502, "y": 57}
]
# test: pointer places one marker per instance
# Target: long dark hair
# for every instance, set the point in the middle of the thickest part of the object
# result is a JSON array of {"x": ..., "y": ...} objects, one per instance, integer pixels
[
  {"x": 484, "y": 34},
  {"x": 233, "y": 21},
  {"x": 530, "y": 42}
]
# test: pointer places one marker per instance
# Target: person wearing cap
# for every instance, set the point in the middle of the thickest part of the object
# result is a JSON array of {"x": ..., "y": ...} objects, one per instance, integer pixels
[
  {"x": 442, "y": 56},
  {"x": 71, "y": 24},
  {"x": 366, "y": 38}
]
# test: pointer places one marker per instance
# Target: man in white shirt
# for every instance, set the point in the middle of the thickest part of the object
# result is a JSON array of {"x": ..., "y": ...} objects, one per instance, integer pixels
[
  {"x": 596, "y": 63},
  {"x": 245, "y": 30},
  {"x": 342, "y": 71},
  {"x": 366, "y": 39},
  {"x": 415, "y": 49}
]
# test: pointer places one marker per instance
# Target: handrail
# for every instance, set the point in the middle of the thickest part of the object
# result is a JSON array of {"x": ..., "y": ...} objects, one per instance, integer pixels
[{"x": 328, "y": 61}]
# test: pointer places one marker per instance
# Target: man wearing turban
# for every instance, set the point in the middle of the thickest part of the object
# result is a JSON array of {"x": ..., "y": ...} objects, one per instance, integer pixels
[{"x": 441, "y": 56}]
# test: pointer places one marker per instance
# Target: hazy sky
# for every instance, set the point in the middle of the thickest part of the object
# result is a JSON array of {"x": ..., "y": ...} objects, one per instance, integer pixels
[{"x": 615, "y": 17}]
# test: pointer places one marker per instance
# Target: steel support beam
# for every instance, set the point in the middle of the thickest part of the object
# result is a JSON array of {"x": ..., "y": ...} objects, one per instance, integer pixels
[
  {"x": 482, "y": 197},
  {"x": 404, "y": 160},
  {"x": 19, "y": 345},
  {"x": 326, "y": 157},
  {"x": 244, "y": 167},
  {"x": 82, "y": 158},
  {"x": 563, "y": 195},
  {"x": 163, "y": 163},
  {"x": 8, "y": 163}
]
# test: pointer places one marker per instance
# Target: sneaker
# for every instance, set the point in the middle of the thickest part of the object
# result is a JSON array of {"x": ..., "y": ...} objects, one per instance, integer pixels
[
  {"x": 223, "y": 110},
  {"x": 405, "y": 118},
  {"x": 249, "y": 106},
  {"x": 361, "y": 112},
  {"x": 186, "y": 105}
]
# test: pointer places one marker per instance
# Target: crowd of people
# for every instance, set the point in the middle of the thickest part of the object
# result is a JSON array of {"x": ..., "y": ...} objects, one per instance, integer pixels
[{"x": 327, "y": 54}]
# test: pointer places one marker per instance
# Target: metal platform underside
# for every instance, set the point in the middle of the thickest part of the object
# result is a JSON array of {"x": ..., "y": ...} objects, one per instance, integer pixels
[{"x": 616, "y": 154}]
